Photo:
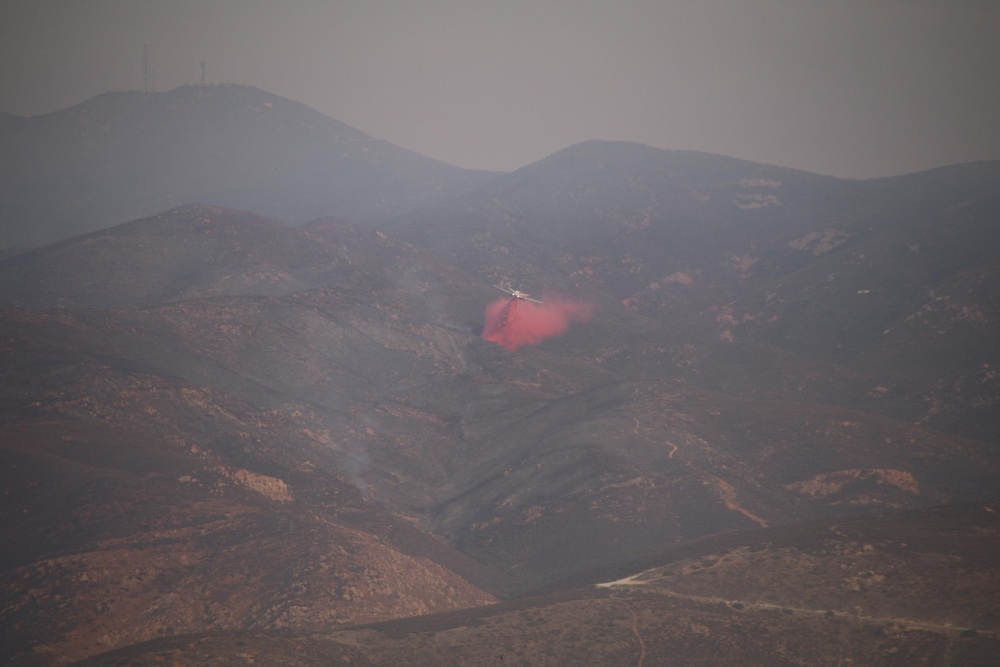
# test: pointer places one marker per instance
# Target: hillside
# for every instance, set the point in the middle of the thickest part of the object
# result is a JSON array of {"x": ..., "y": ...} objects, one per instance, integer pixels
[
  {"x": 872, "y": 591},
  {"x": 126, "y": 155},
  {"x": 231, "y": 436},
  {"x": 871, "y": 282}
]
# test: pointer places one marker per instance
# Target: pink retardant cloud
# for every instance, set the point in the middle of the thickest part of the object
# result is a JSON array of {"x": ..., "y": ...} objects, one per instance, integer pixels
[{"x": 513, "y": 323}]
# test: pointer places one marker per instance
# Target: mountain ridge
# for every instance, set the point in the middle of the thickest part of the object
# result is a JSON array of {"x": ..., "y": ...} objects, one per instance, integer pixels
[
  {"x": 232, "y": 436},
  {"x": 120, "y": 156}
]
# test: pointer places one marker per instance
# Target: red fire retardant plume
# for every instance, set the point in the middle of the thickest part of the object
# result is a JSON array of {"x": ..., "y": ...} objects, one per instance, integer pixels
[{"x": 513, "y": 323}]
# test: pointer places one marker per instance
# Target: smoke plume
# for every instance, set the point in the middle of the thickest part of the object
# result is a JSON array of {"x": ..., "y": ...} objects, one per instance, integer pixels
[{"x": 513, "y": 323}]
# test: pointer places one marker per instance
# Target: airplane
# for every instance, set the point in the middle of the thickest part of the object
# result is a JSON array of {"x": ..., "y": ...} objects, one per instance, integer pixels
[{"x": 517, "y": 294}]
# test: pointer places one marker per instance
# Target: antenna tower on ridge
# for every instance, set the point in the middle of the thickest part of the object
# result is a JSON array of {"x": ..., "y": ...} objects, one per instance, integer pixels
[
  {"x": 203, "y": 72},
  {"x": 145, "y": 68}
]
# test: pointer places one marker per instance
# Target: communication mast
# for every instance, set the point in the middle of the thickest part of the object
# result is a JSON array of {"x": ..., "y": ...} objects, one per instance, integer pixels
[
  {"x": 203, "y": 72},
  {"x": 145, "y": 68}
]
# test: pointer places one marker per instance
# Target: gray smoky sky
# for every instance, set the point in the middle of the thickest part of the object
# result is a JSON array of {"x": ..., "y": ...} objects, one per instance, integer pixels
[{"x": 855, "y": 88}]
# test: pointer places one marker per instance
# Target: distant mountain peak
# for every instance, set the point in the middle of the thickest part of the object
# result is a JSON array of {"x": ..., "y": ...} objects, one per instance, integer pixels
[{"x": 127, "y": 155}]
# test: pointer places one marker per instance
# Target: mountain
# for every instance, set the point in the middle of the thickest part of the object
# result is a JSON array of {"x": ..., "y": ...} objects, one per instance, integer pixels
[
  {"x": 157, "y": 483},
  {"x": 874, "y": 591},
  {"x": 626, "y": 215},
  {"x": 236, "y": 438},
  {"x": 785, "y": 266},
  {"x": 125, "y": 155}
]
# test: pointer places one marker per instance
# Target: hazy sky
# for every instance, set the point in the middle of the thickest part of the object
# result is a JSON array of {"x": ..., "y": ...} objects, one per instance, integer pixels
[{"x": 854, "y": 88}]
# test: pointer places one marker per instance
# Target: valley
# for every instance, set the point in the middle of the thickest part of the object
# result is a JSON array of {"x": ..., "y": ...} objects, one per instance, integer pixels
[{"x": 235, "y": 434}]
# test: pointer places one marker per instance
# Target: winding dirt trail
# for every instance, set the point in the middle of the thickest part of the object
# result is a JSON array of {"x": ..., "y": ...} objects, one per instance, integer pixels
[
  {"x": 909, "y": 623},
  {"x": 642, "y": 644},
  {"x": 637, "y": 430}
]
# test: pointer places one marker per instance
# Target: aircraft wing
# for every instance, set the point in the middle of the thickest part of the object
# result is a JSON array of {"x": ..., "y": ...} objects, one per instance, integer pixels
[{"x": 517, "y": 294}]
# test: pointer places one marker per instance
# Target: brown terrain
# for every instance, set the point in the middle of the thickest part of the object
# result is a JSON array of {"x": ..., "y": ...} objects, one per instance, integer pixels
[
  {"x": 842, "y": 593},
  {"x": 230, "y": 440}
]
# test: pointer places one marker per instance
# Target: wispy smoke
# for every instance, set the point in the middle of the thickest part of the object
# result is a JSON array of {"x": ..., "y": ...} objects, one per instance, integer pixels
[{"x": 513, "y": 323}]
